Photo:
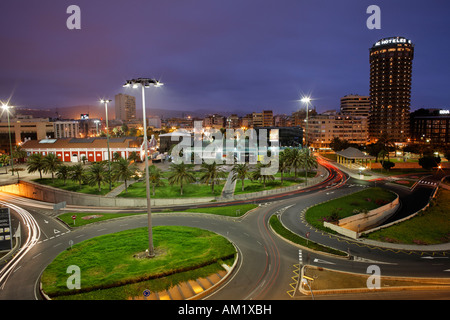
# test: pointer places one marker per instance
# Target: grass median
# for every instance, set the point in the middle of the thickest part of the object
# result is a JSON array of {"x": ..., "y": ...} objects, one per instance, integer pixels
[
  {"x": 113, "y": 261},
  {"x": 84, "y": 218},
  {"x": 346, "y": 206},
  {"x": 431, "y": 226}
]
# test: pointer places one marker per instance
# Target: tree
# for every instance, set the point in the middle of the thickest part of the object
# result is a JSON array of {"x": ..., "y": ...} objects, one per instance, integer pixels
[
  {"x": 155, "y": 175},
  {"x": 77, "y": 173},
  {"x": 116, "y": 156},
  {"x": 308, "y": 161},
  {"x": 211, "y": 174},
  {"x": 133, "y": 156},
  {"x": 283, "y": 164},
  {"x": 35, "y": 162},
  {"x": 429, "y": 162},
  {"x": 124, "y": 170},
  {"x": 241, "y": 172},
  {"x": 180, "y": 174},
  {"x": 5, "y": 160},
  {"x": 257, "y": 174},
  {"x": 295, "y": 159},
  {"x": 387, "y": 165},
  {"x": 63, "y": 172},
  {"x": 96, "y": 175},
  {"x": 19, "y": 154},
  {"x": 50, "y": 164}
]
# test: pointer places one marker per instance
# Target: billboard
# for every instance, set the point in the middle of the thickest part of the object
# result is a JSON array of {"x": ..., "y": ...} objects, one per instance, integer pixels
[{"x": 5, "y": 229}]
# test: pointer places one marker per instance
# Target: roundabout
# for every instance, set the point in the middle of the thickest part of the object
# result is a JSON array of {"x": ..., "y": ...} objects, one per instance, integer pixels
[{"x": 266, "y": 262}]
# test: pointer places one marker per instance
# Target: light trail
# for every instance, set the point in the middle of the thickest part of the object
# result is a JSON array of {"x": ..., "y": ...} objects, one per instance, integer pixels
[{"x": 33, "y": 235}]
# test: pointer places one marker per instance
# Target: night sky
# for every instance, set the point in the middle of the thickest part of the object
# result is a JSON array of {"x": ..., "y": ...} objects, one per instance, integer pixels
[{"x": 219, "y": 55}]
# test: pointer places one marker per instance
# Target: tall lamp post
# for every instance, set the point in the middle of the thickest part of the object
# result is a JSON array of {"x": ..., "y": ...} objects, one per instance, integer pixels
[
  {"x": 146, "y": 83},
  {"x": 6, "y": 108},
  {"x": 105, "y": 101},
  {"x": 307, "y": 101}
]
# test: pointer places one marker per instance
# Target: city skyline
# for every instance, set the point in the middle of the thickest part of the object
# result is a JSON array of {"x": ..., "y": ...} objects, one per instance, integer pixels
[{"x": 234, "y": 56}]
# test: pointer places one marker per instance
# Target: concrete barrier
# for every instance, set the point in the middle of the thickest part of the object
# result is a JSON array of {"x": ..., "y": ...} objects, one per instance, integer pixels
[
  {"x": 354, "y": 225},
  {"x": 54, "y": 195}
]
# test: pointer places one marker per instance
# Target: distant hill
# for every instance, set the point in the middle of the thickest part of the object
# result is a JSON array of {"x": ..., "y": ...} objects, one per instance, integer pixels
[{"x": 74, "y": 112}]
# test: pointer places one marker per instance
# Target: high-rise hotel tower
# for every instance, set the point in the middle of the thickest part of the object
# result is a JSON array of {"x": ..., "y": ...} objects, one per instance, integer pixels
[{"x": 390, "y": 88}]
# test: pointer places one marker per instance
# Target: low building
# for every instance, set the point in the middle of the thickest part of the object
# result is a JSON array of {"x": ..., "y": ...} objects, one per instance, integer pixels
[{"x": 94, "y": 149}]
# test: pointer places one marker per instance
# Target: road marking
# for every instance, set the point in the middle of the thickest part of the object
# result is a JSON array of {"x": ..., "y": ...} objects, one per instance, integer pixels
[
  {"x": 322, "y": 261},
  {"x": 57, "y": 245},
  {"x": 101, "y": 229},
  {"x": 36, "y": 255}
]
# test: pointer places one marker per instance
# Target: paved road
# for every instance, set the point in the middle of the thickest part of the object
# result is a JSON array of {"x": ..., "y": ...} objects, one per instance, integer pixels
[{"x": 266, "y": 262}]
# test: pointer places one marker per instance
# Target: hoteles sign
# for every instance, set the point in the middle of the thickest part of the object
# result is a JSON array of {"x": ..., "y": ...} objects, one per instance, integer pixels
[
  {"x": 386, "y": 41},
  {"x": 5, "y": 229}
]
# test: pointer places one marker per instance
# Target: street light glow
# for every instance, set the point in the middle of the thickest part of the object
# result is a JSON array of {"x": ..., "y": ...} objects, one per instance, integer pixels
[{"x": 306, "y": 100}]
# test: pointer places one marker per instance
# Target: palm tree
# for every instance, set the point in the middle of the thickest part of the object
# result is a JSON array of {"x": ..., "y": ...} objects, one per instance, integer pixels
[
  {"x": 35, "y": 162},
  {"x": 155, "y": 175},
  {"x": 257, "y": 175},
  {"x": 96, "y": 175},
  {"x": 116, "y": 156},
  {"x": 51, "y": 163},
  {"x": 212, "y": 173},
  {"x": 180, "y": 174},
  {"x": 5, "y": 160},
  {"x": 63, "y": 172},
  {"x": 77, "y": 173},
  {"x": 241, "y": 172},
  {"x": 133, "y": 156},
  {"x": 308, "y": 162},
  {"x": 124, "y": 170},
  {"x": 283, "y": 164},
  {"x": 19, "y": 153},
  {"x": 295, "y": 159}
]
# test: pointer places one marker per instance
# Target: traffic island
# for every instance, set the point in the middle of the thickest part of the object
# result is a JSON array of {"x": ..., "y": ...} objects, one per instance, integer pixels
[{"x": 108, "y": 268}]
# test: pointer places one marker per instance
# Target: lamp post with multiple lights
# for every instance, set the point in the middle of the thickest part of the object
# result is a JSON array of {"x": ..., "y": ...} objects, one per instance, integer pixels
[
  {"x": 106, "y": 101},
  {"x": 307, "y": 101},
  {"x": 6, "y": 108},
  {"x": 146, "y": 83}
]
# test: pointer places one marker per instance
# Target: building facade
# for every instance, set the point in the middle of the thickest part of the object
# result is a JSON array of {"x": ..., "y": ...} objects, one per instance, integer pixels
[
  {"x": 390, "y": 88},
  {"x": 125, "y": 107},
  {"x": 323, "y": 128},
  {"x": 355, "y": 105},
  {"x": 73, "y": 149},
  {"x": 430, "y": 126}
]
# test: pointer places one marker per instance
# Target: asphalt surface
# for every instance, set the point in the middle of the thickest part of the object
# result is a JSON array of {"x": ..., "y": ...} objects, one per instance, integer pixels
[{"x": 266, "y": 262}]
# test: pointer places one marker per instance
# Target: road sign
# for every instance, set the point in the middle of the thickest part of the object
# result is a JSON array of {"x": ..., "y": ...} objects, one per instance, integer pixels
[
  {"x": 73, "y": 218},
  {"x": 5, "y": 229}
]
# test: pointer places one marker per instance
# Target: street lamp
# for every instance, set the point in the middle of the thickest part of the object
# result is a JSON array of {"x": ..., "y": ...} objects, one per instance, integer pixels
[
  {"x": 105, "y": 101},
  {"x": 307, "y": 101},
  {"x": 146, "y": 83},
  {"x": 6, "y": 108}
]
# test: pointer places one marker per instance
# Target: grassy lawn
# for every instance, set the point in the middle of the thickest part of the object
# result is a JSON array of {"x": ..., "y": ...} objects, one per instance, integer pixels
[
  {"x": 231, "y": 211},
  {"x": 109, "y": 262},
  {"x": 256, "y": 186},
  {"x": 75, "y": 187},
  {"x": 194, "y": 190},
  {"x": 84, "y": 218},
  {"x": 368, "y": 199},
  {"x": 432, "y": 226},
  {"x": 398, "y": 172},
  {"x": 285, "y": 233}
]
